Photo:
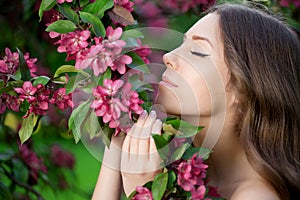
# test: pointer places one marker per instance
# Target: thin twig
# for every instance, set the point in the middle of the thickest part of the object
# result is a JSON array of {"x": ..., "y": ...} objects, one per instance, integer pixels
[{"x": 23, "y": 185}]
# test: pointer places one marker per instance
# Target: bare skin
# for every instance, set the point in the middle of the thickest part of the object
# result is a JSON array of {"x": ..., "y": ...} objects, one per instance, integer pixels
[{"x": 229, "y": 169}]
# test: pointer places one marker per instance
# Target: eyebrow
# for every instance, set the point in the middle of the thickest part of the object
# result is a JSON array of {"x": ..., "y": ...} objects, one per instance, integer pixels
[{"x": 198, "y": 37}]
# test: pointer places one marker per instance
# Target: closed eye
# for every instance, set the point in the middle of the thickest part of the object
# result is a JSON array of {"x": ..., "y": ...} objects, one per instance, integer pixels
[{"x": 197, "y": 53}]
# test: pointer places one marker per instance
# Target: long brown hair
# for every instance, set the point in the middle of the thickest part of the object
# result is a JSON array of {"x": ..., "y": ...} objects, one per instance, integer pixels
[{"x": 263, "y": 57}]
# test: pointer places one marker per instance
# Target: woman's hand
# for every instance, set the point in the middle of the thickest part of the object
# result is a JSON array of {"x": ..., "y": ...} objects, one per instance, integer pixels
[
  {"x": 109, "y": 181},
  {"x": 112, "y": 155},
  {"x": 140, "y": 161}
]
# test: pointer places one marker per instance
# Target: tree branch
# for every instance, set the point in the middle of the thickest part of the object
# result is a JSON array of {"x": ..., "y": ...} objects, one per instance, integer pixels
[{"x": 23, "y": 185}]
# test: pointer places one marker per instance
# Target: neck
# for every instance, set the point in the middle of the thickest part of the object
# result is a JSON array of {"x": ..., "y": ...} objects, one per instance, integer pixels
[{"x": 228, "y": 165}]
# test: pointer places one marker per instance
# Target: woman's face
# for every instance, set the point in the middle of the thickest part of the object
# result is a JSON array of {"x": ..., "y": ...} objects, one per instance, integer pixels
[{"x": 194, "y": 81}]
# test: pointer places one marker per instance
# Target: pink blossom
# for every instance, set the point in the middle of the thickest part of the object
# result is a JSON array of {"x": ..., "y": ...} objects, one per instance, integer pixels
[
  {"x": 149, "y": 10},
  {"x": 191, "y": 174},
  {"x": 287, "y": 3},
  {"x": 37, "y": 97},
  {"x": 79, "y": 57},
  {"x": 112, "y": 42},
  {"x": 109, "y": 105},
  {"x": 143, "y": 51},
  {"x": 128, "y": 5},
  {"x": 143, "y": 193},
  {"x": 61, "y": 158},
  {"x": 61, "y": 99},
  {"x": 105, "y": 105},
  {"x": 131, "y": 99},
  {"x": 63, "y": 1},
  {"x": 72, "y": 42},
  {"x": 185, "y": 178},
  {"x": 119, "y": 63},
  {"x": 39, "y": 105},
  {"x": 26, "y": 92},
  {"x": 212, "y": 191},
  {"x": 10, "y": 62},
  {"x": 199, "y": 193},
  {"x": 98, "y": 59},
  {"x": 111, "y": 87},
  {"x": 12, "y": 102},
  {"x": 30, "y": 62},
  {"x": 34, "y": 163}
]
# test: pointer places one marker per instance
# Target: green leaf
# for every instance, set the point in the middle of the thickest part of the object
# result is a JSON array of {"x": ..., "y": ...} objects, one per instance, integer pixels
[
  {"x": 16, "y": 76},
  {"x": 25, "y": 73},
  {"x": 159, "y": 185},
  {"x": 105, "y": 75},
  {"x": 45, "y": 6},
  {"x": 83, "y": 3},
  {"x": 69, "y": 13},
  {"x": 68, "y": 69},
  {"x": 4, "y": 156},
  {"x": 98, "y": 27},
  {"x": 74, "y": 82},
  {"x": 161, "y": 145},
  {"x": 20, "y": 171},
  {"x": 132, "y": 33},
  {"x": 40, "y": 80},
  {"x": 203, "y": 152},
  {"x": 107, "y": 134},
  {"x": 180, "y": 151},
  {"x": 184, "y": 128},
  {"x": 138, "y": 85},
  {"x": 138, "y": 63},
  {"x": 5, "y": 192},
  {"x": 91, "y": 124},
  {"x": 99, "y": 7},
  {"x": 27, "y": 127},
  {"x": 171, "y": 179},
  {"x": 160, "y": 141},
  {"x": 62, "y": 26},
  {"x": 77, "y": 118}
]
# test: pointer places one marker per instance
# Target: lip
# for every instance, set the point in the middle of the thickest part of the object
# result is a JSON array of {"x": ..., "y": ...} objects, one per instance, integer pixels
[{"x": 166, "y": 82}]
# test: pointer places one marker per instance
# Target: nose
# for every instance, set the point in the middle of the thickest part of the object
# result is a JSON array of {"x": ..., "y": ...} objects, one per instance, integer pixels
[{"x": 168, "y": 60}]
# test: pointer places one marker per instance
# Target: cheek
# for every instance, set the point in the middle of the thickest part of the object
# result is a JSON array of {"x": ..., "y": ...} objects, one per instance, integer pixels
[
  {"x": 202, "y": 95},
  {"x": 191, "y": 97}
]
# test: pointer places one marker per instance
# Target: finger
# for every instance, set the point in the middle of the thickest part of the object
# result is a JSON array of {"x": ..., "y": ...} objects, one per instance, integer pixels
[
  {"x": 157, "y": 126},
  {"x": 156, "y": 129},
  {"x": 154, "y": 157},
  {"x": 146, "y": 131},
  {"x": 130, "y": 132},
  {"x": 139, "y": 124},
  {"x": 126, "y": 145}
]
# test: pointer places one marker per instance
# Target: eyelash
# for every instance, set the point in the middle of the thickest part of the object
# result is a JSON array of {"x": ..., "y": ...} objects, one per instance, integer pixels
[{"x": 199, "y": 53}]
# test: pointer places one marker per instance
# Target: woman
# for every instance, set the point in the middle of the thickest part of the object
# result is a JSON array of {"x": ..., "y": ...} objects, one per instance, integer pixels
[{"x": 257, "y": 154}]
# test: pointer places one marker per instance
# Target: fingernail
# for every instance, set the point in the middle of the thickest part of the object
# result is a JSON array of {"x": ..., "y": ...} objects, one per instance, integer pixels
[
  {"x": 152, "y": 114},
  {"x": 144, "y": 114}
]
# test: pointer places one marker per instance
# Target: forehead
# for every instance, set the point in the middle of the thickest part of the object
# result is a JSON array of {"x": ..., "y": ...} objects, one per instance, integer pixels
[{"x": 206, "y": 27}]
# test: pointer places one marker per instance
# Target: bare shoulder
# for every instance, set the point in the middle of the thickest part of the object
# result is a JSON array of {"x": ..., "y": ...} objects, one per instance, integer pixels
[{"x": 254, "y": 190}]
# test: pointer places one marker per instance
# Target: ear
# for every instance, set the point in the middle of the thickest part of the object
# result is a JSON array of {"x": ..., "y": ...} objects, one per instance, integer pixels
[{"x": 233, "y": 100}]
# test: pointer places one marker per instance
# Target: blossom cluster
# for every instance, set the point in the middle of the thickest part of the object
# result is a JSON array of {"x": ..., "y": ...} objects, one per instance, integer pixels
[
  {"x": 191, "y": 175},
  {"x": 61, "y": 158},
  {"x": 9, "y": 64},
  {"x": 287, "y": 3},
  {"x": 104, "y": 53},
  {"x": 153, "y": 12},
  {"x": 111, "y": 99},
  {"x": 34, "y": 164},
  {"x": 142, "y": 194},
  {"x": 38, "y": 98}
]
